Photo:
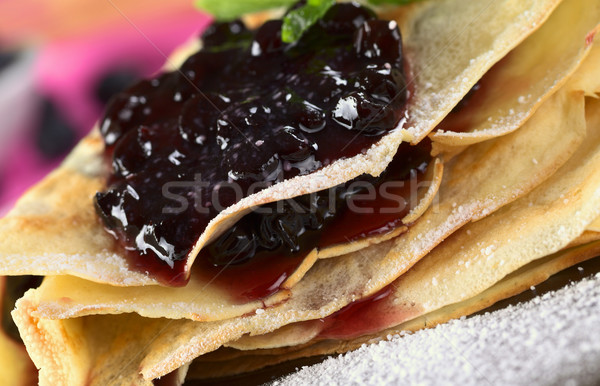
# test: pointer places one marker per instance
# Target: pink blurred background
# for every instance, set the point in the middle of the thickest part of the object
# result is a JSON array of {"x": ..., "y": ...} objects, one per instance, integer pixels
[{"x": 59, "y": 61}]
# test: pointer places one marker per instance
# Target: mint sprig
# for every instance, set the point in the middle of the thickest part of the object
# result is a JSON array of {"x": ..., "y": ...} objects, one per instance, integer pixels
[
  {"x": 299, "y": 20},
  {"x": 394, "y": 2},
  {"x": 295, "y": 23},
  {"x": 232, "y": 9}
]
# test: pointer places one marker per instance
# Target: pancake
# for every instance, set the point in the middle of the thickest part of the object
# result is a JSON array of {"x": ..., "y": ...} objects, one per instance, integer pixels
[{"x": 319, "y": 293}]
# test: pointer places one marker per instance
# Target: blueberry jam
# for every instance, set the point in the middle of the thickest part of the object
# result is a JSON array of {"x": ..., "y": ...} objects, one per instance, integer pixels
[{"x": 245, "y": 112}]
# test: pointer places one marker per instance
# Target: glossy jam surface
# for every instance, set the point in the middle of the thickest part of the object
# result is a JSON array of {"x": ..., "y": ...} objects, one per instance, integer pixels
[{"x": 245, "y": 112}]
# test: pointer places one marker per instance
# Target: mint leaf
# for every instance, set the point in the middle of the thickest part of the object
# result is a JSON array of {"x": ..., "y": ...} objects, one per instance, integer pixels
[
  {"x": 299, "y": 20},
  {"x": 231, "y": 9},
  {"x": 396, "y": 2}
]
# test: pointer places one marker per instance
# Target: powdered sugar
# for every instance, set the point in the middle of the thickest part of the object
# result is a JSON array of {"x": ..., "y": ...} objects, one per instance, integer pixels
[{"x": 551, "y": 339}]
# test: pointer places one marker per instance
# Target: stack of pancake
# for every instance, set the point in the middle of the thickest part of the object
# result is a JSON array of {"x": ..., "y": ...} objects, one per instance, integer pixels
[{"x": 506, "y": 93}]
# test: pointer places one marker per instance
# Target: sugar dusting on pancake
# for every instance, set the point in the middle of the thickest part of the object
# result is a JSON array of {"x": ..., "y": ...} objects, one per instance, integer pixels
[{"x": 527, "y": 76}]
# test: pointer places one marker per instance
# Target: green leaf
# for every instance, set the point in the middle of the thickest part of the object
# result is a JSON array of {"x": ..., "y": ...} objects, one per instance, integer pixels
[
  {"x": 300, "y": 19},
  {"x": 396, "y": 2},
  {"x": 232, "y": 9}
]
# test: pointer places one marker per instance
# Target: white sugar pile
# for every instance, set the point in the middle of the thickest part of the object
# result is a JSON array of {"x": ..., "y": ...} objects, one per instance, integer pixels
[{"x": 550, "y": 340}]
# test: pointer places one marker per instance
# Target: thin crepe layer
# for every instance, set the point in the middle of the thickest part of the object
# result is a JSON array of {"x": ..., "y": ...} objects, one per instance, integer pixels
[
  {"x": 539, "y": 224},
  {"x": 440, "y": 32},
  {"x": 585, "y": 78},
  {"x": 296, "y": 336},
  {"x": 230, "y": 362},
  {"x": 517, "y": 85},
  {"x": 53, "y": 229},
  {"x": 492, "y": 174},
  {"x": 585, "y": 238}
]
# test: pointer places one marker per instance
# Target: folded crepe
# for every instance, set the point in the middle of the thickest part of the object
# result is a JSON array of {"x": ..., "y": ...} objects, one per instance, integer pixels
[{"x": 518, "y": 192}]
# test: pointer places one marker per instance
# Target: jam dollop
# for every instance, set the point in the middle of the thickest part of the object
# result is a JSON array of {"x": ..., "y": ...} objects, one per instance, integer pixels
[{"x": 245, "y": 112}]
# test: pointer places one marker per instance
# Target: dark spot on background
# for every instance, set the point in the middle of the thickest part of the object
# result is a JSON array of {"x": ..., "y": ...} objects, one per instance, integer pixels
[
  {"x": 6, "y": 58},
  {"x": 54, "y": 136}
]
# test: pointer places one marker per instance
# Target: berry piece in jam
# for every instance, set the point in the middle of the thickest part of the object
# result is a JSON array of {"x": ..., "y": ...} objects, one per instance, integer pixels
[
  {"x": 113, "y": 83},
  {"x": 221, "y": 36}
]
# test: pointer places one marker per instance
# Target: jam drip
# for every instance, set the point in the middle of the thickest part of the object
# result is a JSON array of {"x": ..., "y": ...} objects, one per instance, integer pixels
[{"x": 245, "y": 112}]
